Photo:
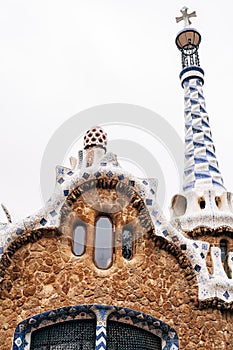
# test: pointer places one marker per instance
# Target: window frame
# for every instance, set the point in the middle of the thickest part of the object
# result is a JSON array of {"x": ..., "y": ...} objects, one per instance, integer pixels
[
  {"x": 81, "y": 224},
  {"x": 224, "y": 244},
  {"x": 102, "y": 314},
  {"x": 103, "y": 215}
]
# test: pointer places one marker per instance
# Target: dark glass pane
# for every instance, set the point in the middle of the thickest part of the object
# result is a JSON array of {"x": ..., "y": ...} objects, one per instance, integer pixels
[
  {"x": 71, "y": 335},
  {"x": 223, "y": 247},
  {"x": 121, "y": 336},
  {"x": 103, "y": 242},
  {"x": 127, "y": 244},
  {"x": 79, "y": 240}
]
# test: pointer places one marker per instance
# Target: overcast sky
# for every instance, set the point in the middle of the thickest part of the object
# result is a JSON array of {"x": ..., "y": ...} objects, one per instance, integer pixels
[{"x": 59, "y": 58}]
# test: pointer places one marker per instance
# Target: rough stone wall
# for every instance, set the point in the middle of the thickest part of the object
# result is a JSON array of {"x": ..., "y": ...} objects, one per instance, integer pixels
[{"x": 45, "y": 275}]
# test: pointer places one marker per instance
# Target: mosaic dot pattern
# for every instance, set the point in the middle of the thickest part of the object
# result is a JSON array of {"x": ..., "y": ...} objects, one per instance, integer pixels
[{"x": 95, "y": 137}]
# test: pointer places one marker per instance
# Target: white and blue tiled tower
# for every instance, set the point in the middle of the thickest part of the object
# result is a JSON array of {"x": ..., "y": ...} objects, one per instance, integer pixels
[
  {"x": 204, "y": 210},
  {"x": 201, "y": 168},
  {"x": 204, "y": 196}
]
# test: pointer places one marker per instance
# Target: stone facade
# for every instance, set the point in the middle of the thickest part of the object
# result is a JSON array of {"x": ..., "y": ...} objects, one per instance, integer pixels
[{"x": 45, "y": 275}]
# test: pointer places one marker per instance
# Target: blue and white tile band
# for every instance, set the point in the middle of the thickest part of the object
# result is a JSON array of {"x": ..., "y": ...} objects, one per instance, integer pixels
[
  {"x": 23, "y": 332},
  {"x": 201, "y": 168},
  {"x": 191, "y": 72}
]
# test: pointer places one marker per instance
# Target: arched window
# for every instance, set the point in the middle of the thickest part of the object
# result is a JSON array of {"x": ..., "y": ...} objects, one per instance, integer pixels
[
  {"x": 127, "y": 243},
  {"x": 124, "y": 329},
  {"x": 79, "y": 239},
  {"x": 70, "y": 335},
  {"x": 128, "y": 337},
  {"x": 103, "y": 242}
]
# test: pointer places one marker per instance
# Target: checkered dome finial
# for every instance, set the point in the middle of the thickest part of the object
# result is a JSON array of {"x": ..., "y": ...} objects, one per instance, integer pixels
[{"x": 95, "y": 137}]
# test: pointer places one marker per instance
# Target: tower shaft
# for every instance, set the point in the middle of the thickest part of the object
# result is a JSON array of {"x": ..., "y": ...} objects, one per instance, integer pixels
[{"x": 201, "y": 168}]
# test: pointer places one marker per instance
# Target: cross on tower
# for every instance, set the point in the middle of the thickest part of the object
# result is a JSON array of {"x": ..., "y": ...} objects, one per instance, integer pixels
[{"x": 185, "y": 16}]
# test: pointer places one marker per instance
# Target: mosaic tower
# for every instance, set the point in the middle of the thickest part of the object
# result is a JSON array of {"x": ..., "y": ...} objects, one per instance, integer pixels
[
  {"x": 203, "y": 188},
  {"x": 201, "y": 167}
]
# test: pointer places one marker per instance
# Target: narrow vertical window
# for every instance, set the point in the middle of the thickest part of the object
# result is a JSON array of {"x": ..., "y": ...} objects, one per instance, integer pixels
[
  {"x": 127, "y": 243},
  {"x": 103, "y": 242},
  {"x": 79, "y": 238},
  {"x": 223, "y": 247},
  {"x": 224, "y": 252}
]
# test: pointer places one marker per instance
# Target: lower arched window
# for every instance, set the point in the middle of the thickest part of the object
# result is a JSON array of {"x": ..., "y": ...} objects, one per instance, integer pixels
[
  {"x": 128, "y": 337},
  {"x": 71, "y": 335},
  {"x": 90, "y": 327},
  {"x": 103, "y": 242}
]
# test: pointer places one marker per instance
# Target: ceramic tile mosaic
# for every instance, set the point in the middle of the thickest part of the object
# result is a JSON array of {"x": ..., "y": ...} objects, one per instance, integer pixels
[
  {"x": 201, "y": 166},
  {"x": 102, "y": 313},
  {"x": 203, "y": 182}
]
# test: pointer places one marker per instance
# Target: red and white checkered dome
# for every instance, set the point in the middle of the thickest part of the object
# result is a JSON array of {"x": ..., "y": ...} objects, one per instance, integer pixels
[{"x": 95, "y": 137}]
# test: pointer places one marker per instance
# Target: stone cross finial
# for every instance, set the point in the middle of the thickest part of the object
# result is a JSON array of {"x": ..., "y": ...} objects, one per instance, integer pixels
[{"x": 185, "y": 16}]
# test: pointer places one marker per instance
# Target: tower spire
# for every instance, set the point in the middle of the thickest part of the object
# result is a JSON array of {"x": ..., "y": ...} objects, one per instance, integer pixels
[
  {"x": 204, "y": 201},
  {"x": 201, "y": 168}
]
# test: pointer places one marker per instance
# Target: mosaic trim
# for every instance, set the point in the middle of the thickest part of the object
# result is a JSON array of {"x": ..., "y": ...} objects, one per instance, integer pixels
[
  {"x": 167, "y": 334},
  {"x": 102, "y": 313},
  {"x": 201, "y": 166},
  {"x": 23, "y": 331},
  {"x": 212, "y": 221},
  {"x": 192, "y": 72},
  {"x": 66, "y": 181},
  {"x": 216, "y": 285},
  {"x": 127, "y": 188}
]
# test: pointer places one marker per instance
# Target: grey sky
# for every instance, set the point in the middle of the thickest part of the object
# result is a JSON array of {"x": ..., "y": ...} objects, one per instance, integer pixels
[{"x": 61, "y": 57}]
